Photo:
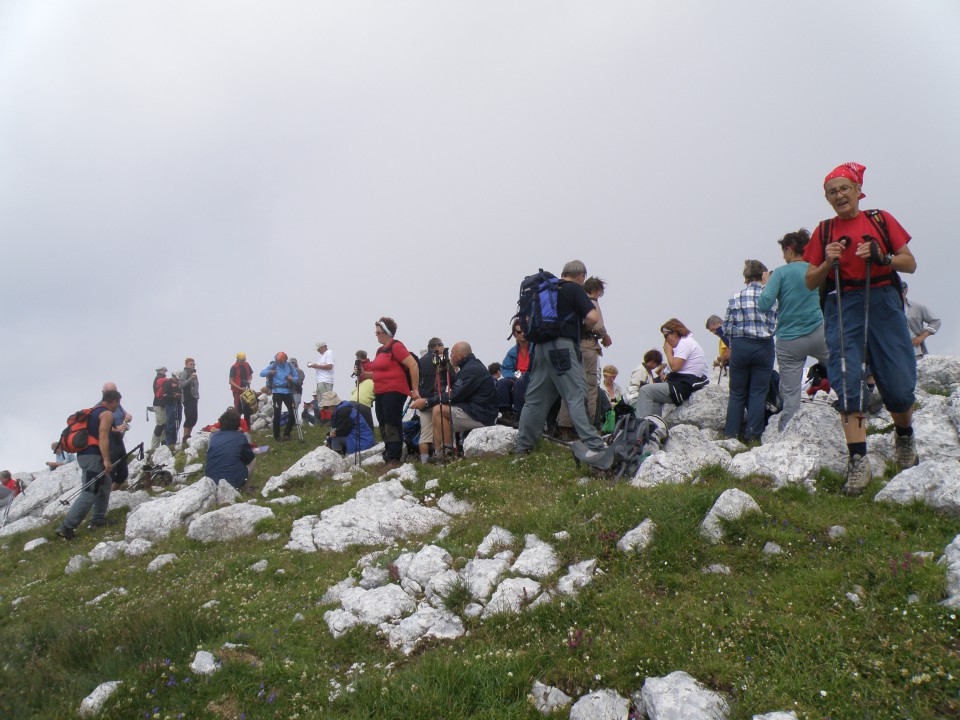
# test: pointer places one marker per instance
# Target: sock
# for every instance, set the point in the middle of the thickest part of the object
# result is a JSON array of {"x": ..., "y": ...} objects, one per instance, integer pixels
[
  {"x": 857, "y": 449},
  {"x": 871, "y": 386},
  {"x": 424, "y": 458},
  {"x": 904, "y": 432}
]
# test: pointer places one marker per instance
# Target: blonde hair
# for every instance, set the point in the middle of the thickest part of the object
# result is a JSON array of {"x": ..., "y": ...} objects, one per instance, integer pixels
[{"x": 610, "y": 370}]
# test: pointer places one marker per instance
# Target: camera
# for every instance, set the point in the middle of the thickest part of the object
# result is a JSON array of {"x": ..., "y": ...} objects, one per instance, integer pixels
[{"x": 357, "y": 368}]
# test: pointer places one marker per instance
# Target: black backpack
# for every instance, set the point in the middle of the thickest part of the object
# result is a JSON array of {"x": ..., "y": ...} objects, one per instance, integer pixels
[
  {"x": 633, "y": 441},
  {"x": 537, "y": 307}
]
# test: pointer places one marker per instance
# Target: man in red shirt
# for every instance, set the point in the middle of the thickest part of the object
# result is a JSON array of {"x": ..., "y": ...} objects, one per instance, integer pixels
[{"x": 853, "y": 238}]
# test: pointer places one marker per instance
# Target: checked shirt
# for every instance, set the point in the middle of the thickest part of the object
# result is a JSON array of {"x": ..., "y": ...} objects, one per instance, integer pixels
[{"x": 745, "y": 319}]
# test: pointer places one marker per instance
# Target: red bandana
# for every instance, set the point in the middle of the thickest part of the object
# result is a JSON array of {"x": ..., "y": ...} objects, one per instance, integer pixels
[{"x": 851, "y": 171}]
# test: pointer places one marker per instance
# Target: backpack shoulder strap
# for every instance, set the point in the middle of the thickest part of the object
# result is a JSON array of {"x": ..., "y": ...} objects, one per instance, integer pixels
[{"x": 879, "y": 221}]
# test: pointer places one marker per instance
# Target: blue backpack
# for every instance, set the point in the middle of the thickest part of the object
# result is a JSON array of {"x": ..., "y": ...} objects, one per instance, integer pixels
[{"x": 537, "y": 309}]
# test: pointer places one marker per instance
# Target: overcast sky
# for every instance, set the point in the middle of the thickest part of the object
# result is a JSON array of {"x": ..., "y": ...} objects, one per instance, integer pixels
[{"x": 198, "y": 178}]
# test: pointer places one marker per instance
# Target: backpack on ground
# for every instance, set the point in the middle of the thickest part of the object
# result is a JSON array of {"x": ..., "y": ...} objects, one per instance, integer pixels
[
  {"x": 537, "y": 310},
  {"x": 634, "y": 440},
  {"x": 76, "y": 436},
  {"x": 774, "y": 400}
]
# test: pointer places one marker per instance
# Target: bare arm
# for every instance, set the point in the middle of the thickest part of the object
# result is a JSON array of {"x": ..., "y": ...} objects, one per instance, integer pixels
[{"x": 103, "y": 437}]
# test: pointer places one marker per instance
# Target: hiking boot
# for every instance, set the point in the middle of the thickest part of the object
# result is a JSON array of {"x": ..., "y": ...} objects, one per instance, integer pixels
[
  {"x": 906, "y": 451},
  {"x": 857, "y": 475},
  {"x": 874, "y": 402},
  {"x": 64, "y": 532}
]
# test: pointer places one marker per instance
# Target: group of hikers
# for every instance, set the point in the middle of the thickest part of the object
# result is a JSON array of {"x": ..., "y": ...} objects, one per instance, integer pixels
[{"x": 838, "y": 298}]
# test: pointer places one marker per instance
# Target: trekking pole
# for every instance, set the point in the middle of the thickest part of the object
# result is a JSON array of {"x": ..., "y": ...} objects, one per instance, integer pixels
[
  {"x": 296, "y": 419},
  {"x": 866, "y": 338},
  {"x": 94, "y": 480},
  {"x": 843, "y": 352},
  {"x": 356, "y": 451},
  {"x": 6, "y": 510}
]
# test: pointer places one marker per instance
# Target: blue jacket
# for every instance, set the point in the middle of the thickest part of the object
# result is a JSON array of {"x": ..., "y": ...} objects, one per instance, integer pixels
[
  {"x": 280, "y": 383},
  {"x": 474, "y": 391},
  {"x": 508, "y": 368},
  {"x": 228, "y": 456},
  {"x": 344, "y": 419}
]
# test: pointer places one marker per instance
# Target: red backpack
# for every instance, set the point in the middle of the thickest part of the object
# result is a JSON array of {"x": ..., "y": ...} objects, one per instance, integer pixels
[{"x": 76, "y": 436}]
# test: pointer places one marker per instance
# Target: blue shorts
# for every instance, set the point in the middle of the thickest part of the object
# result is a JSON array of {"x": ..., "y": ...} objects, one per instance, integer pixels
[{"x": 890, "y": 349}]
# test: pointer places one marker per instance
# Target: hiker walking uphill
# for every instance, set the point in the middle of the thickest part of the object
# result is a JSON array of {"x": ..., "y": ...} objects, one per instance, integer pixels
[
  {"x": 555, "y": 369},
  {"x": 281, "y": 376},
  {"x": 95, "y": 465},
  {"x": 857, "y": 255}
]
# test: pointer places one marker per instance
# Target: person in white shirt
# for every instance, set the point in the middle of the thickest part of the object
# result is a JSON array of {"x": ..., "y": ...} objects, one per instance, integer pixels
[{"x": 324, "y": 368}]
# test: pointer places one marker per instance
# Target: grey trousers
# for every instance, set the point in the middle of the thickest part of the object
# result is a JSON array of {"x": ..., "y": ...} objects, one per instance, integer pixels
[
  {"x": 791, "y": 357},
  {"x": 90, "y": 467},
  {"x": 591, "y": 359},
  {"x": 545, "y": 384},
  {"x": 652, "y": 398}
]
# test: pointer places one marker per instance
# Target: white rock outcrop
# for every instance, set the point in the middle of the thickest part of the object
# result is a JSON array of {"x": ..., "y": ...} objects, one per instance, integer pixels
[
  {"x": 678, "y": 696},
  {"x": 600, "y": 705},
  {"x": 493, "y": 440},
  {"x": 319, "y": 463},
  {"x": 687, "y": 451},
  {"x": 935, "y": 483},
  {"x": 732, "y": 504},
  {"x": 93, "y": 703},
  {"x": 547, "y": 699},
  {"x": 637, "y": 539},
  {"x": 156, "y": 519},
  {"x": 228, "y": 523}
]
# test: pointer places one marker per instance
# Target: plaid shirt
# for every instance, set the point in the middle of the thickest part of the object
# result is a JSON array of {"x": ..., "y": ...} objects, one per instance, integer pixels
[{"x": 744, "y": 319}]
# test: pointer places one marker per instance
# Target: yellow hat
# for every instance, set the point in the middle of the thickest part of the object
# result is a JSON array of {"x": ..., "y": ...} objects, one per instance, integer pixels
[{"x": 241, "y": 356}]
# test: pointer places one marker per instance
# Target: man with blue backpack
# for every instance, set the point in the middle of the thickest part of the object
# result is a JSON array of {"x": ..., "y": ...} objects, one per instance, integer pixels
[
  {"x": 281, "y": 376},
  {"x": 550, "y": 313}
]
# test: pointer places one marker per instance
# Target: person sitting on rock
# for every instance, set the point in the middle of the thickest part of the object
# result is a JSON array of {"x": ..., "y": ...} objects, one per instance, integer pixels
[
  {"x": 351, "y": 424},
  {"x": 60, "y": 457},
  {"x": 470, "y": 404},
  {"x": 230, "y": 455},
  {"x": 511, "y": 387},
  {"x": 652, "y": 370},
  {"x": 715, "y": 325},
  {"x": 688, "y": 371}
]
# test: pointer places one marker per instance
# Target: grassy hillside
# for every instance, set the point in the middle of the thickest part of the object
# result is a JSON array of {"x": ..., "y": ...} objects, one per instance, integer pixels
[{"x": 776, "y": 633}]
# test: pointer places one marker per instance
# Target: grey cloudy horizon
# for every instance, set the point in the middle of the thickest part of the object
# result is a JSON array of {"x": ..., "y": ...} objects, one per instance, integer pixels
[{"x": 195, "y": 179}]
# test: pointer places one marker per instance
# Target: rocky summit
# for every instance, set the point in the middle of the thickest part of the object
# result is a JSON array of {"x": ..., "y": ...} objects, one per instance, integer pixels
[{"x": 400, "y": 582}]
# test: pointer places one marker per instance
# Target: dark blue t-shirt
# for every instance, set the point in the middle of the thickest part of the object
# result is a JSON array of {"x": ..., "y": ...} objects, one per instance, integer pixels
[{"x": 228, "y": 455}]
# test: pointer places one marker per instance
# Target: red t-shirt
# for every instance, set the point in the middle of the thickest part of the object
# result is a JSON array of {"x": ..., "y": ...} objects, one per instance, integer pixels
[
  {"x": 523, "y": 359},
  {"x": 388, "y": 372},
  {"x": 852, "y": 266}
]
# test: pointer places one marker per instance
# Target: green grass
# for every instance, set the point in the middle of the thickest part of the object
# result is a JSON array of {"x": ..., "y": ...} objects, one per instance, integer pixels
[{"x": 777, "y": 633}]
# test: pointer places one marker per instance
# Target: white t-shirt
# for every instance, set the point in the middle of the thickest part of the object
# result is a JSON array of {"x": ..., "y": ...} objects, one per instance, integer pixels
[
  {"x": 325, "y": 376},
  {"x": 691, "y": 353}
]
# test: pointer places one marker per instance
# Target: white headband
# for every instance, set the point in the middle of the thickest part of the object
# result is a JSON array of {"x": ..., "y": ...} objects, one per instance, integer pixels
[{"x": 384, "y": 328}]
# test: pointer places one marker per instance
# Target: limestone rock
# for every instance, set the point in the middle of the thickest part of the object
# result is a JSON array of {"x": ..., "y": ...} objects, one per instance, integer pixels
[
  {"x": 318, "y": 463},
  {"x": 204, "y": 663},
  {"x": 379, "y": 514},
  {"x": 777, "y": 715},
  {"x": 497, "y": 539},
  {"x": 936, "y": 483},
  {"x": 429, "y": 561},
  {"x": 938, "y": 373},
  {"x": 25, "y": 524},
  {"x": 34, "y": 544},
  {"x": 138, "y": 547},
  {"x": 107, "y": 550},
  {"x": 687, "y": 450},
  {"x": 578, "y": 575},
  {"x": 228, "y": 523},
  {"x": 127, "y": 499},
  {"x": 482, "y": 575},
  {"x": 452, "y": 506},
  {"x": 155, "y": 520},
  {"x": 787, "y": 462},
  {"x": 951, "y": 559},
  {"x": 638, "y": 539},
  {"x": 817, "y": 426},
  {"x": 76, "y": 564},
  {"x": 679, "y": 697},
  {"x": 426, "y": 622},
  {"x": 493, "y": 440},
  {"x": 547, "y": 699},
  {"x": 93, "y": 703},
  {"x": 372, "y": 607},
  {"x": 46, "y": 487},
  {"x": 731, "y": 505},
  {"x": 706, "y": 408},
  {"x": 511, "y": 596},
  {"x": 601, "y": 705},
  {"x": 538, "y": 559},
  {"x": 161, "y": 560}
]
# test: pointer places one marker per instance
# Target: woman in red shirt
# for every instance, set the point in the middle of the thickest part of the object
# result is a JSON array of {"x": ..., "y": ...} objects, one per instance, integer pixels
[{"x": 396, "y": 375}]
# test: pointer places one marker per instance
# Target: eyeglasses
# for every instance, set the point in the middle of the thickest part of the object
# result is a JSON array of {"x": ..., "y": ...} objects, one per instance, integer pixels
[
  {"x": 842, "y": 190},
  {"x": 517, "y": 331}
]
